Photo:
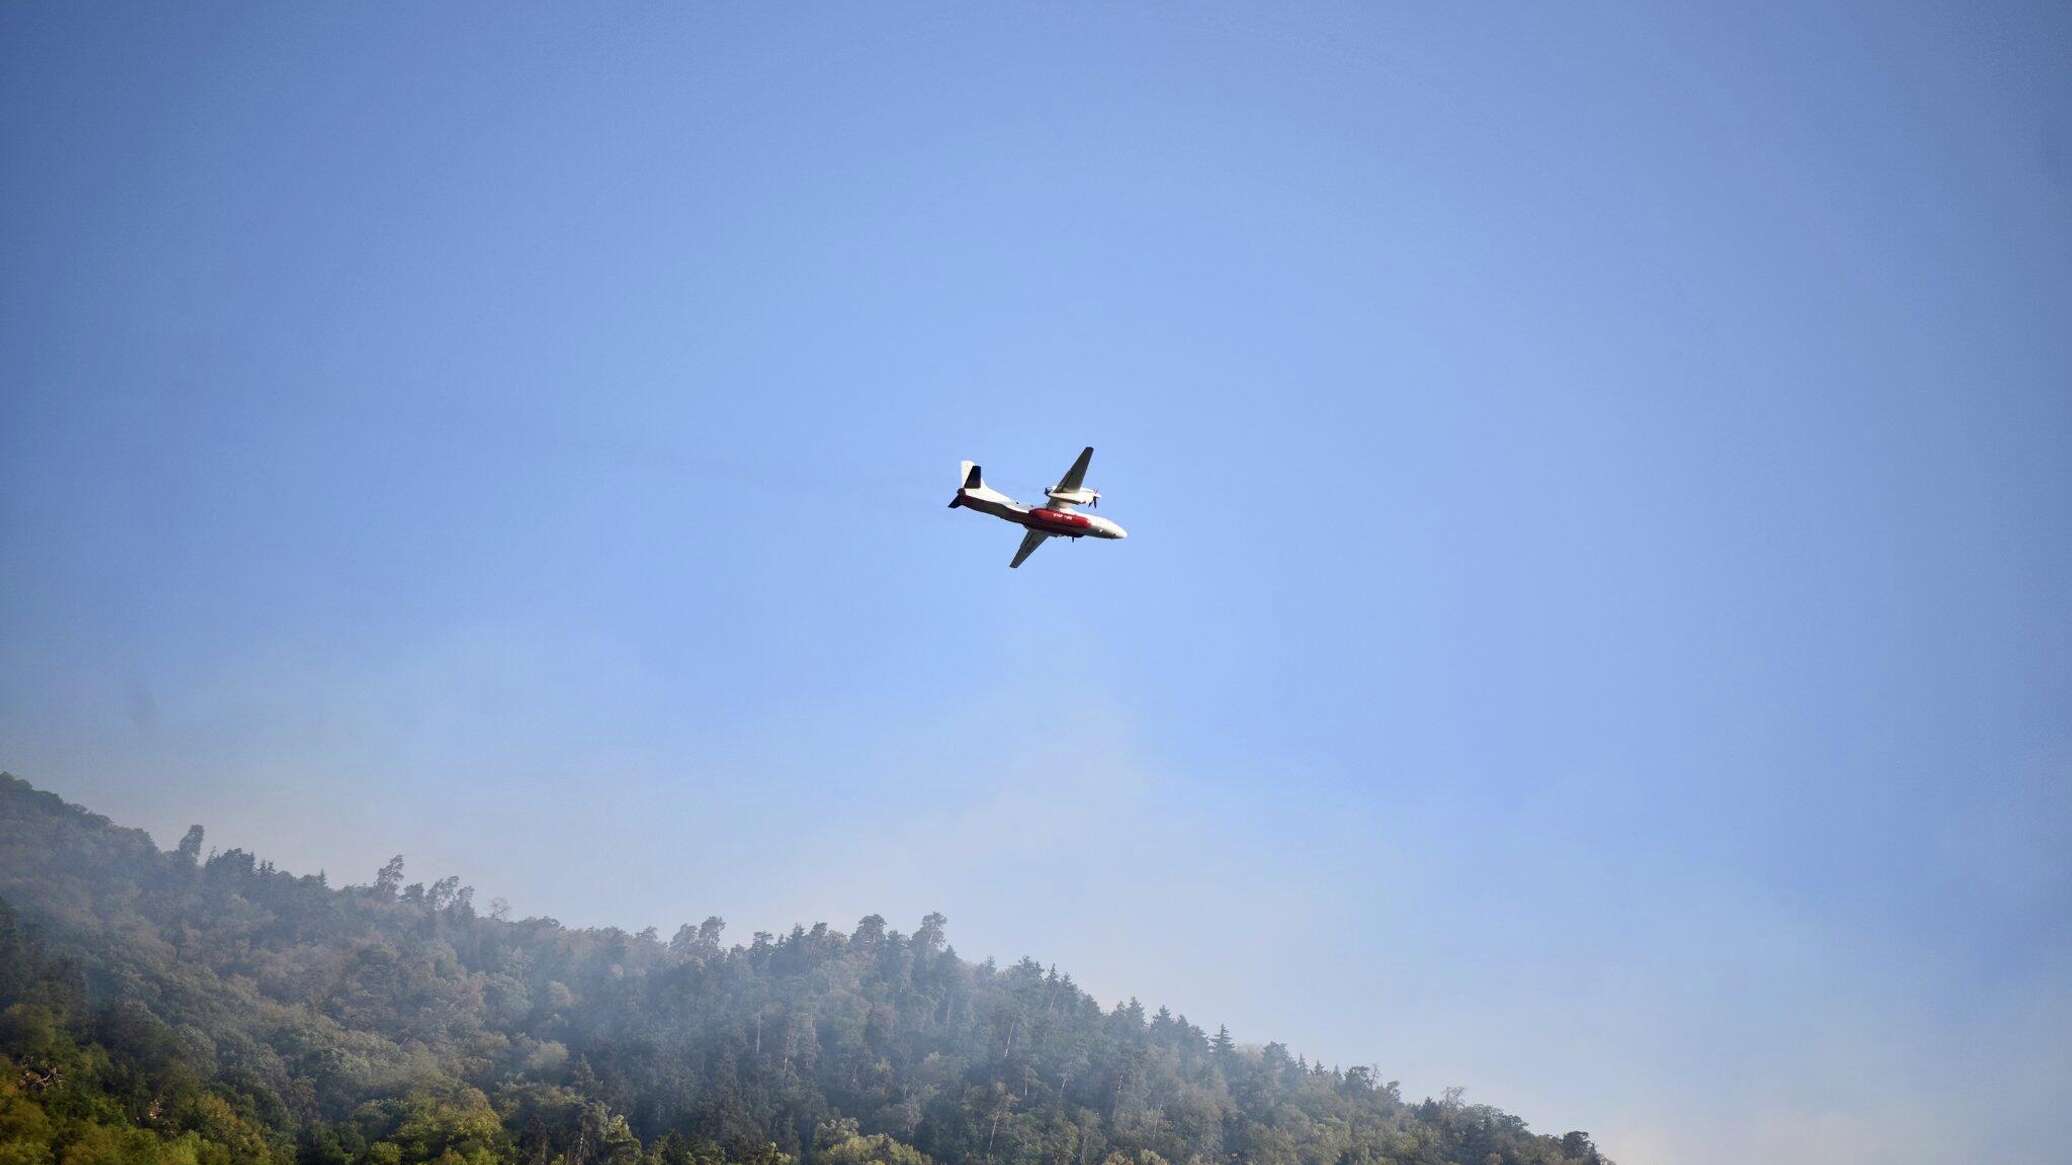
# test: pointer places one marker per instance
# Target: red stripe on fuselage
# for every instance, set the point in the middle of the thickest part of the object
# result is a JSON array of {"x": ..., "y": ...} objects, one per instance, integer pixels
[{"x": 1057, "y": 521}]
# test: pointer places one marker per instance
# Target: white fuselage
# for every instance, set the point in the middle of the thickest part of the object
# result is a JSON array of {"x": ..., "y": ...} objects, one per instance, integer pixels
[{"x": 1059, "y": 521}]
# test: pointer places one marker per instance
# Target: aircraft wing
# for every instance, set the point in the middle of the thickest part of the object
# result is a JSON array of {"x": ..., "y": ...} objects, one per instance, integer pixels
[
  {"x": 1030, "y": 542},
  {"x": 1075, "y": 477}
]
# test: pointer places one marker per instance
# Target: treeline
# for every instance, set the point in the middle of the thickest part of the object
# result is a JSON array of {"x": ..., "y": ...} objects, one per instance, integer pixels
[{"x": 173, "y": 1008}]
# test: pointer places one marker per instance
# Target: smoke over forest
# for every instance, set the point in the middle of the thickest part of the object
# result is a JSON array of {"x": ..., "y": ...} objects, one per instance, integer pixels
[{"x": 201, "y": 1008}]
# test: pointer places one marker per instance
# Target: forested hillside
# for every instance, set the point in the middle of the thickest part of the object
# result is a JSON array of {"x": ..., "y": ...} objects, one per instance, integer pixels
[{"x": 216, "y": 1010}]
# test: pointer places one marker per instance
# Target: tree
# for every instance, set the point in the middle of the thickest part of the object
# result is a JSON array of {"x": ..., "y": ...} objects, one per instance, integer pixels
[
  {"x": 190, "y": 845},
  {"x": 838, "y": 1142},
  {"x": 390, "y": 878},
  {"x": 869, "y": 932},
  {"x": 932, "y": 934},
  {"x": 440, "y": 896}
]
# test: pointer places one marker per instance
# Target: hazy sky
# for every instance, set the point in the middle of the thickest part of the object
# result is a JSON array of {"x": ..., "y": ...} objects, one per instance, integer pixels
[{"x": 1596, "y": 617}]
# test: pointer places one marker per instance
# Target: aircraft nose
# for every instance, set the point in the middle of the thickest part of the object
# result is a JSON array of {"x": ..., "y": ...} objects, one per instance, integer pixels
[{"x": 1121, "y": 533}]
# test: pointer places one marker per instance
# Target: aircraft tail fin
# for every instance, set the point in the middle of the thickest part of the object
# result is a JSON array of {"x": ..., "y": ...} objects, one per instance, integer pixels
[{"x": 972, "y": 480}]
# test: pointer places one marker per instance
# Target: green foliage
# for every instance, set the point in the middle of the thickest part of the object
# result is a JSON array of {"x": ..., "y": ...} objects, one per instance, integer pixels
[
  {"x": 841, "y": 1143},
  {"x": 165, "y": 1009}
]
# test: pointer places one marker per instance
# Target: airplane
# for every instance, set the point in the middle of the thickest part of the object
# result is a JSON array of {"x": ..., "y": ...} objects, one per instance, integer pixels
[{"x": 1054, "y": 519}]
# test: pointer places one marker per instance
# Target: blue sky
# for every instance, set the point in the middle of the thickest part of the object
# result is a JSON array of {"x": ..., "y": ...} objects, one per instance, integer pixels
[{"x": 1595, "y": 621}]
